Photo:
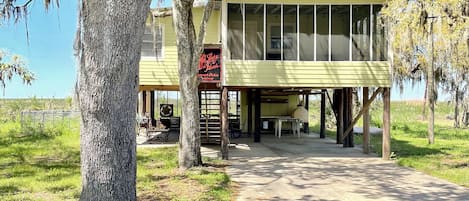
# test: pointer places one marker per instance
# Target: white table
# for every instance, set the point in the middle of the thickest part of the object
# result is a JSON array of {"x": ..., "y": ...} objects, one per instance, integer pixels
[{"x": 279, "y": 120}]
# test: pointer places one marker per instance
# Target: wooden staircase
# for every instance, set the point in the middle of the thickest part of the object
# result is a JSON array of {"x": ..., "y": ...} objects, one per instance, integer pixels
[{"x": 210, "y": 125}]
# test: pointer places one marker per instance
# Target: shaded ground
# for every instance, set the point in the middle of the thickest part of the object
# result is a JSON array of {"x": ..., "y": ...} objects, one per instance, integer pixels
[{"x": 316, "y": 169}]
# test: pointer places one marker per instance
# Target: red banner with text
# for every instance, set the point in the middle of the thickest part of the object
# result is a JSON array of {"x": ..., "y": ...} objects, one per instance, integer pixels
[{"x": 210, "y": 66}]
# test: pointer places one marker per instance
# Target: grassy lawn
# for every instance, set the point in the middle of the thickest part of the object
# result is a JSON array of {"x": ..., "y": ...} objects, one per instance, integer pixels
[
  {"x": 45, "y": 165},
  {"x": 448, "y": 158}
]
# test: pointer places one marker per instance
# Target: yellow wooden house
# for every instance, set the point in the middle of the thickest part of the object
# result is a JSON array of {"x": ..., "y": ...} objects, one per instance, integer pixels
[{"x": 274, "y": 53}]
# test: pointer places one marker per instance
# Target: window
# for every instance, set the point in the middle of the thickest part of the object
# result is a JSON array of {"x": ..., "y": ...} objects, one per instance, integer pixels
[
  {"x": 152, "y": 49},
  {"x": 322, "y": 27},
  {"x": 322, "y": 32},
  {"x": 235, "y": 31},
  {"x": 307, "y": 33},
  {"x": 340, "y": 33},
  {"x": 254, "y": 48},
  {"x": 274, "y": 32},
  {"x": 361, "y": 33},
  {"x": 379, "y": 41},
  {"x": 290, "y": 32}
]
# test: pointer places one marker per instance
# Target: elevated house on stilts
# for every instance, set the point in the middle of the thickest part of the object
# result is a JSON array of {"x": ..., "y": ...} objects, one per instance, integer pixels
[{"x": 270, "y": 55}]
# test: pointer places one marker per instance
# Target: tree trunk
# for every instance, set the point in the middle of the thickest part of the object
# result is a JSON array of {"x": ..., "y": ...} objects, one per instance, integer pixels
[
  {"x": 466, "y": 116},
  {"x": 431, "y": 91},
  {"x": 456, "y": 108},
  {"x": 425, "y": 98},
  {"x": 189, "y": 138},
  {"x": 109, "y": 40}
]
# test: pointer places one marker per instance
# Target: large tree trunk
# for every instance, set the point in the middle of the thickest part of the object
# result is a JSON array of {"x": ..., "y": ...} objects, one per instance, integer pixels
[
  {"x": 188, "y": 55},
  {"x": 109, "y": 39},
  {"x": 189, "y": 50}
]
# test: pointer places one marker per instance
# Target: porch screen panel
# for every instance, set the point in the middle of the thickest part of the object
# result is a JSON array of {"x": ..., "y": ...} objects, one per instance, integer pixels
[
  {"x": 235, "y": 31},
  {"x": 254, "y": 48},
  {"x": 290, "y": 48},
  {"x": 306, "y": 33},
  {"x": 379, "y": 40},
  {"x": 322, "y": 28},
  {"x": 340, "y": 33},
  {"x": 361, "y": 27},
  {"x": 273, "y": 32}
]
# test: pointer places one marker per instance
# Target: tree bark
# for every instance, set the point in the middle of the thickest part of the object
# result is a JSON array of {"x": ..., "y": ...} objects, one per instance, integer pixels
[
  {"x": 456, "y": 108},
  {"x": 189, "y": 50},
  {"x": 108, "y": 47},
  {"x": 425, "y": 99},
  {"x": 431, "y": 91},
  {"x": 189, "y": 138}
]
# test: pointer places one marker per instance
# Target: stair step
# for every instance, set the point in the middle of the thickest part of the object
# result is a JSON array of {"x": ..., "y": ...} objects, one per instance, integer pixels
[
  {"x": 203, "y": 128},
  {"x": 210, "y": 136},
  {"x": 209, "y": 132},
  {"x": 210, "y": 122}
]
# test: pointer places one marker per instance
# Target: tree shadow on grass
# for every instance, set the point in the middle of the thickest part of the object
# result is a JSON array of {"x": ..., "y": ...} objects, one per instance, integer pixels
[
  {"x": 9, "y": 189},
  {"x": 402, "y": 148}
]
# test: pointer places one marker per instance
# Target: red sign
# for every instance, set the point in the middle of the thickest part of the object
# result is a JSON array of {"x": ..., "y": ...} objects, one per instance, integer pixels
[{"x": 210, "y": 65}]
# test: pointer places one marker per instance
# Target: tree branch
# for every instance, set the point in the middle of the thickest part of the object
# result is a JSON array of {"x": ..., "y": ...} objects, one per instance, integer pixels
[{"x": 207, "y": 12}]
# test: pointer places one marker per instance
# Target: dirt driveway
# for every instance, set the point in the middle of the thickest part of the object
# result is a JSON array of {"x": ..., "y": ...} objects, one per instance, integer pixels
[{"x": 316, "y": 169}]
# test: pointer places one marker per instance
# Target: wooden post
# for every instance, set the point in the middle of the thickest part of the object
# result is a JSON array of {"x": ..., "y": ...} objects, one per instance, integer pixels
[
  {"x": 348, "y": 115},
  {"x": 322, "y": 133},
  {"x": 224, "y": 124},
  {"x": 152, "y": 108},
  {"x": 257, "y": 116},
  {"x": 144, "y": 101},
  {"x": 249, "y": 94},
  {"x": 140, "y": 104},
  {"x": 366, "y": 123},
  {"x": 339, "y": 106},
  {"x": 360, "y": 113},
  {"x": 386, "y": 124},
  {"x": 306, "y": 124}
]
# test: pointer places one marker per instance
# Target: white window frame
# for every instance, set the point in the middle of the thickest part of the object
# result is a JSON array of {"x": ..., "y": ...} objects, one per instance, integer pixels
[{"x": 154, "y": 57}]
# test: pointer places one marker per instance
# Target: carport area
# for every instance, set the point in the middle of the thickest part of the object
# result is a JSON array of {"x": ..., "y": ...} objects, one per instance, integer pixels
[{"x": 310, "y": 168}]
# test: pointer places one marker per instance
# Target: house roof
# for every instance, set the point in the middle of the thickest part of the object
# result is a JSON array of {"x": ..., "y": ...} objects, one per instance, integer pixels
[{"x": 167, "y": 11}]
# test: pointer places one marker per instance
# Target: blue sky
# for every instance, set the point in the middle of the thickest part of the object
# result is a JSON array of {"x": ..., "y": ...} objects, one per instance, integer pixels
[{"x": 50, "y": 53}]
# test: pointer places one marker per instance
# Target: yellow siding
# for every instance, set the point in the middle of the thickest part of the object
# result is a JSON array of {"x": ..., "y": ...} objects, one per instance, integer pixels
[
  {"x": 164, "y": 71},
  {"x": 306, "y": 74},
  {"x": 264, "y": 73}
]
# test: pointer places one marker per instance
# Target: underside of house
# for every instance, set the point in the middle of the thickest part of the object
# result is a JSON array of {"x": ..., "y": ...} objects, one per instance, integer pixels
[{"x": 265, "y": 58}]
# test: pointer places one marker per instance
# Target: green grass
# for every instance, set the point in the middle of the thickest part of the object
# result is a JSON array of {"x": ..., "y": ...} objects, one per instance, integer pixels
[
  {"x": 44, "y": 164},
  {"x": 448, "y": 158},
  {"x": 38, "y": 164}
]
